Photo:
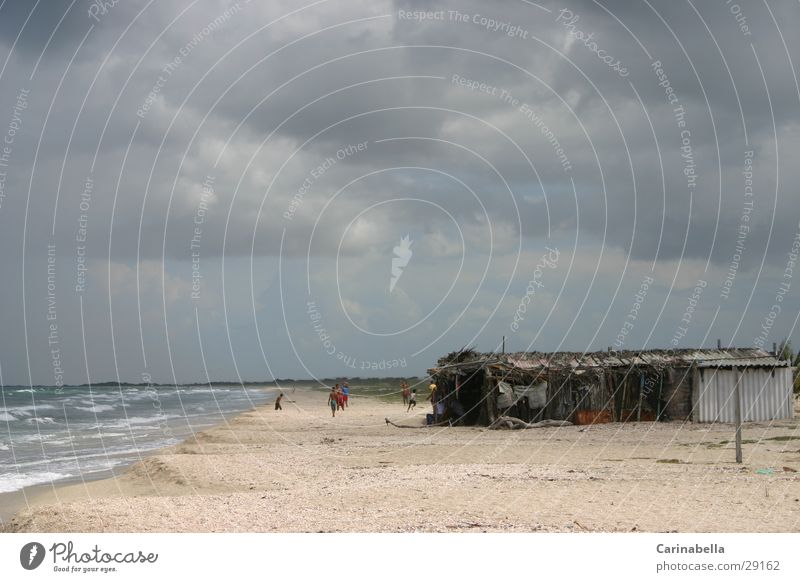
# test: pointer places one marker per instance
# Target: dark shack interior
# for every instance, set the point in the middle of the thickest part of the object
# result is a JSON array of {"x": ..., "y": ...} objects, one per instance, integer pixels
[{"x": 470, "y": 395}]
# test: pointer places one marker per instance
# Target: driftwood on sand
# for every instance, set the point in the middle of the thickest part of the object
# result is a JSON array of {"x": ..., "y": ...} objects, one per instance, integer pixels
[
  {"x": 509, "y": 422},
  {"x": 502, "y": 423},
  {"x": 446, "y": 423}
]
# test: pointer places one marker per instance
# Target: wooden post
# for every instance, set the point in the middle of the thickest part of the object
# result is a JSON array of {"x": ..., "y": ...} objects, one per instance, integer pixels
[
  {"x": 641, "y": 393},
  {"x": 738, "y": 408},
  {"x": 489, "y": 395},
  {"x": 660, "y": 390},
  {"x": 624, "y": 394}
]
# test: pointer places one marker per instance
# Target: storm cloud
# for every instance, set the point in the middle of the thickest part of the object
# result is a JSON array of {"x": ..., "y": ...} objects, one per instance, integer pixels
[{"x": 218, "y": 189}]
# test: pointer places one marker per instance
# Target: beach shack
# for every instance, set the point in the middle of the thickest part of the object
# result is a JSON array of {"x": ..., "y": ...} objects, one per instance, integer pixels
[{"x": 614, "y": 386}]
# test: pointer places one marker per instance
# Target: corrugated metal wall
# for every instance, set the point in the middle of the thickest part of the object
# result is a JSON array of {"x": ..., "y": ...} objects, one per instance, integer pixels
[{"x": 766, "y": 394}]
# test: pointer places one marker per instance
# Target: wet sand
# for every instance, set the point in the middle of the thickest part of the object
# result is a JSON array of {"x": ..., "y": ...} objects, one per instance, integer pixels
[{"x": 299, "y": 470}]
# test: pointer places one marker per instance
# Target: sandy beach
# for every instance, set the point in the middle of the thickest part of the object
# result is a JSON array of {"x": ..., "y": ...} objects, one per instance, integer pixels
[{"x": 299, "y": 470}]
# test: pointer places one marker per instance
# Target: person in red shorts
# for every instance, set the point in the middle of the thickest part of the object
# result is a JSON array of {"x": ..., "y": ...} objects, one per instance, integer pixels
[
  {"x": 346, "y": 393},
  {"x": 339, "y": 398}
]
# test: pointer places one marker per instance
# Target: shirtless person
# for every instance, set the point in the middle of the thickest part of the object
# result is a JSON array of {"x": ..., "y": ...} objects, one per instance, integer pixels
[
  {"x": 332, "y": 401},
  {"x": 412, "y": 401}
]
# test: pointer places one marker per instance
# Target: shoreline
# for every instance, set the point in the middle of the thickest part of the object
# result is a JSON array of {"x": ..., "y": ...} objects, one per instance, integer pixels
[
  {"x": 299, "y": 470},
  {"x": 30, "y": 496}
]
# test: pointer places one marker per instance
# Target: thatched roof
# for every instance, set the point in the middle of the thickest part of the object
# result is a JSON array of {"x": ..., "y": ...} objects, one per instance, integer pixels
[{"x": 705, "y": 358}]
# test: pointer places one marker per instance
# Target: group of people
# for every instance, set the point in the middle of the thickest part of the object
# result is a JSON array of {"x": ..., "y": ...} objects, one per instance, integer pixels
[{"x": 339, "y": 397}]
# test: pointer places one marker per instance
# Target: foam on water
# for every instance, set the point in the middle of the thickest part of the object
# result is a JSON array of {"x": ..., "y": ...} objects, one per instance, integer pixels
[
  {"x": 15, "y": 481},
  {"x": 58, "y": 442},
  {"x": 97, "y": 408},
  {"x": 43, "y": 420},
  {"x": 26, "y": 410},
  {"x": 32, "y": 438},
  {"x": 93, "y": 460},
  {"x": 150, "y": 420}
]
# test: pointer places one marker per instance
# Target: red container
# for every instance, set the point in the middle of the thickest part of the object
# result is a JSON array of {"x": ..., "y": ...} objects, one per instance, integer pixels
[{"x": 593, "y": 416}]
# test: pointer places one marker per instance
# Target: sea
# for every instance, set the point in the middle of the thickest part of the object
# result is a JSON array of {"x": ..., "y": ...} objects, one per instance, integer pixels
[{"x": 52, "y": 434}]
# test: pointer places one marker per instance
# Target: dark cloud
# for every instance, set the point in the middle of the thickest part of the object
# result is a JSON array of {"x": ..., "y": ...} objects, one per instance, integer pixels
[
  {"x": 28, "y": 26},
  {"x": 515, "y": 135}
]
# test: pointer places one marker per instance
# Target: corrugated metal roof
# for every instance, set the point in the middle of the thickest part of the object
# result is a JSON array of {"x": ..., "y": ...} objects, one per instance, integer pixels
[{"x": 769, "y": 362}]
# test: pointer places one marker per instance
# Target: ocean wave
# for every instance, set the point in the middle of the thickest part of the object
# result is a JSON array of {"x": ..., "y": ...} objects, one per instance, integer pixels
[
  {"x": 32, "y": 438},
  {"x": 58, "y": 441},
  {"x": 4, "y": 447},
  {"x": 204, "y": 390},
  {"x": 17, "y": 481},
  {"x": 90, "y": 460},
  {"x": 141, "y": 421},
  {"x": 102, "y": 435},
  {"x": 97, "y": 408},
  {"x": 95, "y": 399},
  {"x": 26, "y": 410},
  {"x": 137, "y": 395},
  {"x": 6, "y": 417},
  {"x": 42, "y": 420}
]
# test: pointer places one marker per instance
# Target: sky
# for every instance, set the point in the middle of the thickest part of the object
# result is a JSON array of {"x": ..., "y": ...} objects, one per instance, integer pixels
[{"x": 211, "y": 190}]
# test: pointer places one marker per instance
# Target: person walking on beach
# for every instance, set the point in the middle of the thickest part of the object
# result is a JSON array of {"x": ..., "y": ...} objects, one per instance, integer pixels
[
  {"x": 404, "y": 391},
  {"x": 412, "y": 400},
  {"x": 345, "y": 394},
  {"x": 278, "y": 402},
  {"x": 339, "y": 398},
  {"x": 332, "y": 401}
]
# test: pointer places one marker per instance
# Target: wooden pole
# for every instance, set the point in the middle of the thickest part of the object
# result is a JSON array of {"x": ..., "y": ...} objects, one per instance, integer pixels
[
  {"x": 624, "y": 391},
  {"x": 738, "y": 412},
  {"x": 641, "y": 394},
  {"x": 660, "y": 390},
  {"x": 489, "y": 394}
]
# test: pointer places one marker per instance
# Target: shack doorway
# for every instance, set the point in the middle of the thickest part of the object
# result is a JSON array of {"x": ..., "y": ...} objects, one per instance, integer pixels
[{"x": 470, "y": 396}]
